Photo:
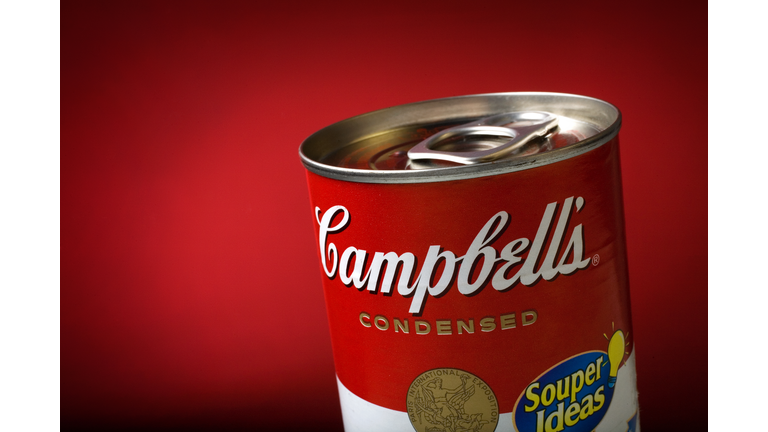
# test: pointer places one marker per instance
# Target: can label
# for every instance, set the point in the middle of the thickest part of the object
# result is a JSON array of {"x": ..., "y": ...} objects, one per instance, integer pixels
[{"x": 492, "y": 303}]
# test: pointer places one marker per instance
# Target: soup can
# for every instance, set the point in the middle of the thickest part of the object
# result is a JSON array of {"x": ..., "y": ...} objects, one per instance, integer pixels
[{"x": 474, "y": 265}]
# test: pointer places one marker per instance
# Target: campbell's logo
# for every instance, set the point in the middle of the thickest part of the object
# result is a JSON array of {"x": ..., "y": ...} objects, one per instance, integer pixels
[{"x": 385, "y": 267}]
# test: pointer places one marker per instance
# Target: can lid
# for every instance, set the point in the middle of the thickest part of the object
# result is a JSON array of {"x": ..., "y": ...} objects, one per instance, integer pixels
[
  {"x": 520, "y": 127},
  {"x": 461, "y": 137}
]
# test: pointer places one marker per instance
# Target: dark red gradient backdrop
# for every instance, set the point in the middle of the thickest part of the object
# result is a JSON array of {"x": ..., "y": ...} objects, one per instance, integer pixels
[{"x": 190, "y": 288}]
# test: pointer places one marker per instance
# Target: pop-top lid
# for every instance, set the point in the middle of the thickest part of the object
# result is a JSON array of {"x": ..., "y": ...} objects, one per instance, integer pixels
[{"x": 460, "y": 137}]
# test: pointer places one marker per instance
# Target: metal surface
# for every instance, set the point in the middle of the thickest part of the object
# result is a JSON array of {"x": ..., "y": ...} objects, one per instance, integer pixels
[
  {"x": 417, "y": 275},
  {"x": 354, "y": 149},
  {"x": 519, "y": 127}
]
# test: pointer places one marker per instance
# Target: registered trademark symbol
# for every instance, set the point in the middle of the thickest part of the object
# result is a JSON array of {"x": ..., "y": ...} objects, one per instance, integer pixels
[{"x": 596, "y": 260}]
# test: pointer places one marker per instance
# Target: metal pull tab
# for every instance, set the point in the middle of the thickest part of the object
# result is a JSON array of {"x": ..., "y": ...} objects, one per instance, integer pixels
[{"x": 534, "y": 124}]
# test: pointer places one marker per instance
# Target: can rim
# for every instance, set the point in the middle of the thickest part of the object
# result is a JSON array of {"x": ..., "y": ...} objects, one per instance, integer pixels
[{"x": 372, "y": 123}]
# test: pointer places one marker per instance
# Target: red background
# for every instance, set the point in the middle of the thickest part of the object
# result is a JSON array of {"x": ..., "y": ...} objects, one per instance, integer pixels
[{"x": 190, "y": 287}]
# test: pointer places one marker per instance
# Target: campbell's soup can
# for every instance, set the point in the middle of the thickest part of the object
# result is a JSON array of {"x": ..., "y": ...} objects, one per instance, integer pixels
[{"x": 474, "y": 266}]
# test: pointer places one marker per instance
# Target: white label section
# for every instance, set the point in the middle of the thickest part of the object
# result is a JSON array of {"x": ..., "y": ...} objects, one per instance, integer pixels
[{"x": 362, "y": 416}]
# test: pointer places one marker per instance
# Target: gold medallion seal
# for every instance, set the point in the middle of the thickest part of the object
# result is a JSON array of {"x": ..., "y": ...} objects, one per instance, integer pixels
[{"x": 451, "y": 400}]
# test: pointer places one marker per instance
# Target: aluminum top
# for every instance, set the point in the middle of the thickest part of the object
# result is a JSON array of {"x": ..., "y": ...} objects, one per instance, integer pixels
[
  {"x": 461, "y": 137},
  {"x": 538, "y": 124}
]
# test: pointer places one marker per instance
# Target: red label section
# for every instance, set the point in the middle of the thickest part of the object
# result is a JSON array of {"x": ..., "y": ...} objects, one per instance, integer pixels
[{"x": 500, "y": 276}]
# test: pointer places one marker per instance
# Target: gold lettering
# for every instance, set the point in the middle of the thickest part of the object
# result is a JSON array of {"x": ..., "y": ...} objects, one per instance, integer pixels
[
  {"x": 399, "y": 327},
  {"x": 488, "y": 324},
  {"x": 508, "y": 321},
  {"x": 422, "y": 327},
  {"x": 462, "y": 326},
  {"x": 529, "y": 317},
  {"x": 366, "y": 316},
  {"x": 443, "y": 327},
  {"x": 378, "y": 319}
]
